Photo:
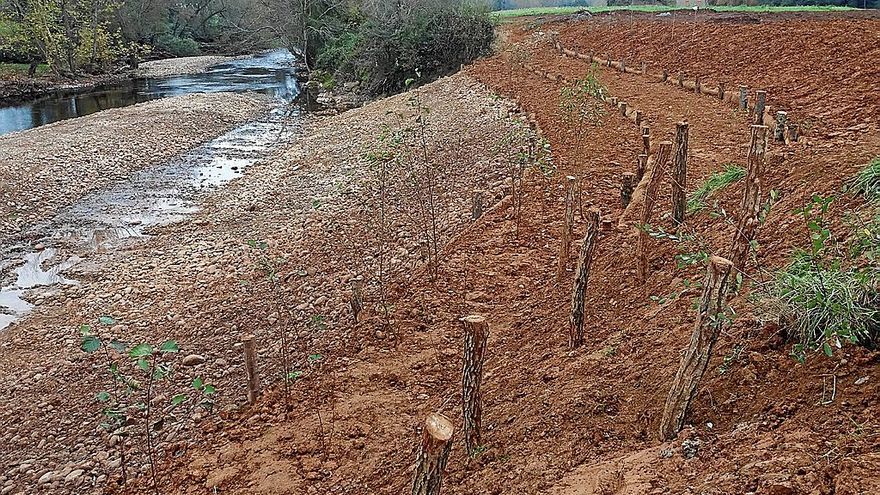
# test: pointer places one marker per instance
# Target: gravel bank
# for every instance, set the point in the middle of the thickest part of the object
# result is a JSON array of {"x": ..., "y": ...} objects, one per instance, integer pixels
[
  {"x": 182, "y": 65},
  {"x": 47, "y": 168},
  {"x": 199, "y": 283}
]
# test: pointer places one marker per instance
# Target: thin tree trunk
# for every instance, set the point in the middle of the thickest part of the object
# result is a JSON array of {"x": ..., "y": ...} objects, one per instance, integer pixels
[
  {"x": 568, "y": 224},
  {"x": 679, "y": 173},
  {"x": 250, "y": 366},
  {"x": 710, "y": 319},
  {"x": 750, "y": 207},
  {"x": 657, "y": 171},
  {"x": 433, "y": 455},
  {"x": 579, "y": 290},
  {"x": 476, "y": 334}
]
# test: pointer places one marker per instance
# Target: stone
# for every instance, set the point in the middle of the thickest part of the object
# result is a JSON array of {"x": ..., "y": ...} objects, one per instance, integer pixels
[{"x": 193, "y": 360}]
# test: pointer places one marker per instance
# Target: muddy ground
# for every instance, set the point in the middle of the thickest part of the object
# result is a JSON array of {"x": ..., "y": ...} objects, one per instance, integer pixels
[{"x": 556, "y": 421}]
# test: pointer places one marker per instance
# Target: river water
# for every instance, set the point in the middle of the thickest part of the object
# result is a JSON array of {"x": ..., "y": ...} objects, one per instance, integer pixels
[
  {"x": 269, "y": 73},
  {"x": 124, "y": 213}
]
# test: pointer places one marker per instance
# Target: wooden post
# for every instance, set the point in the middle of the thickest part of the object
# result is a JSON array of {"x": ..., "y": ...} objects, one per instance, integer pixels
[
  {"x": 657, "y": 172},
  {"x": 614, "y": 101},
  {"x": 357, "y": 297},
  {"x": 760, "y": 102},
  {"x": 627, "y": 185},
  {"x": 679, "y": 173},
  {"x": 664, "y": 76},
  {"x": 696, "y": 358},
  {"x": 622, "y": 66},
  {"x": 721, "y": 91},
  {"x": 476, "y": 333},
  {"x": 750, "y": 206},
  {"x": 680, "y": 80},
  {"x": 779, "y": 131},
  {"x": 646, "y": 140},
  {"x": 638, "y": 118},
  {"x": 641, "y": 163},
  {"x": 579, "y": 290},
  {"x": 644, "y": 69},
  {"x": 697, "y": 85},
  {"x": 477, "y": 207},
  {"x": 744, "y": 98},
  {"x": 433, "y": 455},
  {"x": 250, "y": 367},
  {"x": 792, "y": 133},
  {"x": 568, "y": 225},
  {"x": 622, "y": 105}
]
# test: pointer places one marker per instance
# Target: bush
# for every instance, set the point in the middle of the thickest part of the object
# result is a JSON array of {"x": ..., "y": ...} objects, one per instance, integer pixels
[
  {"x": 825, "y": 307},
  {"x": 383, "y": 51},
  {"x": 177, "y": 46}
]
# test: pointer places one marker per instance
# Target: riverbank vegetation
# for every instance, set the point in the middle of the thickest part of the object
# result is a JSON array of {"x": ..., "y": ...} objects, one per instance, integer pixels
[{"x": 378, "y": 45}]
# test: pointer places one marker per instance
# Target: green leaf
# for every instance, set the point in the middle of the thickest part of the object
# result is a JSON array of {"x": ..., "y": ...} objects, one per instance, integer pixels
[
  {"x": 85, "y": 330},
  {"x": 103, "y": 396},
  {"x": 169, "y": 346},
  {"x": 314, "y": 358},
  {"x": 90, "y": 344},
  {"x": 198, "y": 384},
  {"x": 294, "y": 375},
  {"x": 141, "y": 350},
  {"x": 827, "y": 349},
  {"x": 106, "y": 320},
  {"x": 209, "y": 390},
  {"x": 143, "y": 364},
  {"x": 178, "y": 399}
]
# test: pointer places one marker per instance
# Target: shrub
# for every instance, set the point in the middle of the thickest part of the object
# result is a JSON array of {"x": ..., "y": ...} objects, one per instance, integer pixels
[
  {"x": 177, "y": 46},
  {"x": 825, "y": 307}
]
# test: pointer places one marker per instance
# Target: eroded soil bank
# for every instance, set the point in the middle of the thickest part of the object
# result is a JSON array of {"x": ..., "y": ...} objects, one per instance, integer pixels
[{"x": 556, "y": 421}]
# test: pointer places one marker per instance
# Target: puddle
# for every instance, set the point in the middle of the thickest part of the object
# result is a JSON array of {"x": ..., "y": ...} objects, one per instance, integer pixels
[{"x": 124, "y": 213}]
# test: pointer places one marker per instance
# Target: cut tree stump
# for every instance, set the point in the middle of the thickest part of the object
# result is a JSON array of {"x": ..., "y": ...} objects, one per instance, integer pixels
[
  {"x": 750, "y": 206},
  {"x": 679, "y": 173},
  {"x": 760, "y": 103},
  {"x": 744, "y": 98},
  {"x": 250, "y": 368},
  {"x": 579, "y": 289},
  {"x": 779, "y": 130},
  {"x": 567, "y": 226},
  {"x": 696, "y": 358},
  {"x": 433, "y": 455},
  {"x": 476, "y": 334},
  {"x": 657, "y": 172},
  {"x": 627, "y": 185},
  {"x": 641, "y": 163},
  {"x": 646, "y": 141}
]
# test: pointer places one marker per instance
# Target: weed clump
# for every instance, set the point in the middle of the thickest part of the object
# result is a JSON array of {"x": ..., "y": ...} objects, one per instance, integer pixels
[
  {"x": 867, "y": 181},
  {"x": 717, "y": 181}
]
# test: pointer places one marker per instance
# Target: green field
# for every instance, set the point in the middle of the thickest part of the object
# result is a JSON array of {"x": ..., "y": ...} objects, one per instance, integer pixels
[{"x": 536, "y": 11}]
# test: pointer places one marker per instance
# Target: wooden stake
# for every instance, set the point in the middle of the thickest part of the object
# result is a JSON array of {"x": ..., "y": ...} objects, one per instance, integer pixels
[
  {"x": 792, "y": 133},
  {"x": 568, "y": 225},
  {"x": 644, "y": 69},
  {"x": 664, "y": 76},
  {"x": 250, "y": 367},
  {"x": 641, "y": 163},
  {"x": 477, "y": 207},
  {"x": 760, "y": 102},
  {"x": 622, "y": 66},
  {"x": 579, "y": 290},
  {"x": 679, "y": 173},
  {"x": 744, "y": 98},
  {"x": 779, "y": 131},
  {"x": 627, "y": 185},
  {"x": 750, "y": 206},
  {"x": 721, "y": 91},
  {"x": 476, "y": 333},
  {"x": 638, "y": 118},
  {"x": 646, "y": 141},
  {"x": 697, "y": 85},
  {"x": 622, "y": 105},
  {"x": 657, "y": 171},
  {"x": 357, "y": 297},
  {"x": 680, "y": 80},
  {"x": 433, "y": 455},
  {"x": 696, "y": 358}
]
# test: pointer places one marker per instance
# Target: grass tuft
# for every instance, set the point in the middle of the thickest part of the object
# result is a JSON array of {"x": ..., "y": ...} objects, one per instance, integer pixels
[
  {"x": 867, "y": 181},
  {"x": 717, "y": 181}
]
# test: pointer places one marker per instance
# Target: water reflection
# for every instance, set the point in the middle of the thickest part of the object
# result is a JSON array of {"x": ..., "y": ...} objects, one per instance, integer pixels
[{"x": 268, "y": 73}]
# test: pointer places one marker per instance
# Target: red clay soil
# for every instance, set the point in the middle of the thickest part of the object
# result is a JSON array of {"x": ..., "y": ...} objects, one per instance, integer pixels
[
  {"x": 824, "y": 70},
  {"x": 586, "y": 421}
]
